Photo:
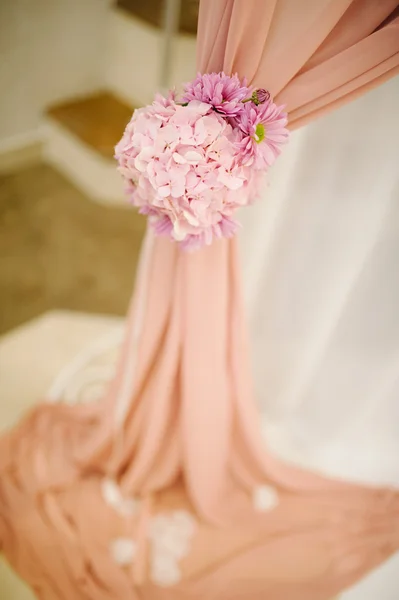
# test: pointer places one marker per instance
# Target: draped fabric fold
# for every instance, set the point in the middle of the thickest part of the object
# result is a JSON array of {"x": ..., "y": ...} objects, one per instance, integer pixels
[{"x": 180, "y": 424}]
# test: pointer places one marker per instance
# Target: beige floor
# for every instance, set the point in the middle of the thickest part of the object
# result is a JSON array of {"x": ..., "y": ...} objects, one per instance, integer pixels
[
  {"x": 39, "y": 350},
  {"x": 59, "y": 250}
]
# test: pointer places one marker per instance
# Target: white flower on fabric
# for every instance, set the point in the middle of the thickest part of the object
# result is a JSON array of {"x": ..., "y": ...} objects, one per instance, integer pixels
[
  {"x": 170, "y": 537},
  {"x": 165, "y": 571},
  {"x": 123, "y": 551},
  {"x": 112, "y": 495},
  {"x": 184, "y": 523},
  {"x": 265, "y": 498},
  {"x": 110, "y": 491}
]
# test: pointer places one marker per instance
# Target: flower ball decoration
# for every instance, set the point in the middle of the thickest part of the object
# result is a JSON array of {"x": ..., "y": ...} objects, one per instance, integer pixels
[{"x": 190, "y": 164}]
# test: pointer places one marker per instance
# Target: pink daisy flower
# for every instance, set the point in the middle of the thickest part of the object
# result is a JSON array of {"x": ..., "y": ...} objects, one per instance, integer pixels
[{"x": 264, "y": 133}]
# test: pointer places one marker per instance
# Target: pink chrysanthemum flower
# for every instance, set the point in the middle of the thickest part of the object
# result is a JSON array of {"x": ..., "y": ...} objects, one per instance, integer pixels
[
  {"x": 264, "y": 133},
  {"x": 224, "y": 93},
  {"x": 259, "y": 96}
]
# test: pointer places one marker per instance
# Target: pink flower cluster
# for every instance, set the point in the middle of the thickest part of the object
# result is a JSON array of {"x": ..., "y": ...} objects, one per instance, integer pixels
[{"x": 189, "y": 165}]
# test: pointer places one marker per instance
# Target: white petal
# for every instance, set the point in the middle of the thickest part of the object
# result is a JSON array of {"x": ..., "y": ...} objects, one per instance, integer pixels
[
  {"x": 110, "y": 491},
  {"x": 184, "y": 522},
  {"x": 112, "y": 496},
  {"x": 164, "y": 572},
  {"x": 128, "y": 507},
  {"x": 123, "y": 551},
  {"x": 265, "y": 498}
]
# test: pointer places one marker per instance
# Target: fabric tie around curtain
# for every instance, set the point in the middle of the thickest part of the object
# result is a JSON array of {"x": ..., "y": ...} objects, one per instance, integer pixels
[{"x": 179, "y": 427}]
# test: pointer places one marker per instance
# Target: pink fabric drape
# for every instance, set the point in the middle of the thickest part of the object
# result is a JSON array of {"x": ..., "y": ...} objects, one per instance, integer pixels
[{"x": 190, "y": 436}]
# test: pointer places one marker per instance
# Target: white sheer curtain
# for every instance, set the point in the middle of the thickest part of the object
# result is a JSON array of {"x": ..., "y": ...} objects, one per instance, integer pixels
[
  {"x": 320, "y": 263},
  {"x": 321, "y": 273}
]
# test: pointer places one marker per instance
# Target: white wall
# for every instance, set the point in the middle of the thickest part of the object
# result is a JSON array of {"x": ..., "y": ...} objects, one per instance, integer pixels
[
  {"x": 133, "y": 63},
  {"x": 49, "y": 50}
]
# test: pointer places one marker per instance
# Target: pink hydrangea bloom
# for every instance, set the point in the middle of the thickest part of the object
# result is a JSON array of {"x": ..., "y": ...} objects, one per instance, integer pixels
[
  {"x": 189, "y": 166},
  {"x": 225, "y": 94}
]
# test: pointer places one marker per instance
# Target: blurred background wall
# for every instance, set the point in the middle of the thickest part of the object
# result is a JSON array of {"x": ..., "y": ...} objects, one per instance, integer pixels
[
  {"x": 49, "y": 50},
  {"x": 71, "y": 73}
]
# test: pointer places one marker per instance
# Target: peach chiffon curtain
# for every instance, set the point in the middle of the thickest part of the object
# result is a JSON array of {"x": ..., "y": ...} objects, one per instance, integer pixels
[
  {"x": 190, "y": 401},
  {"x": 311, "y": 55}
]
